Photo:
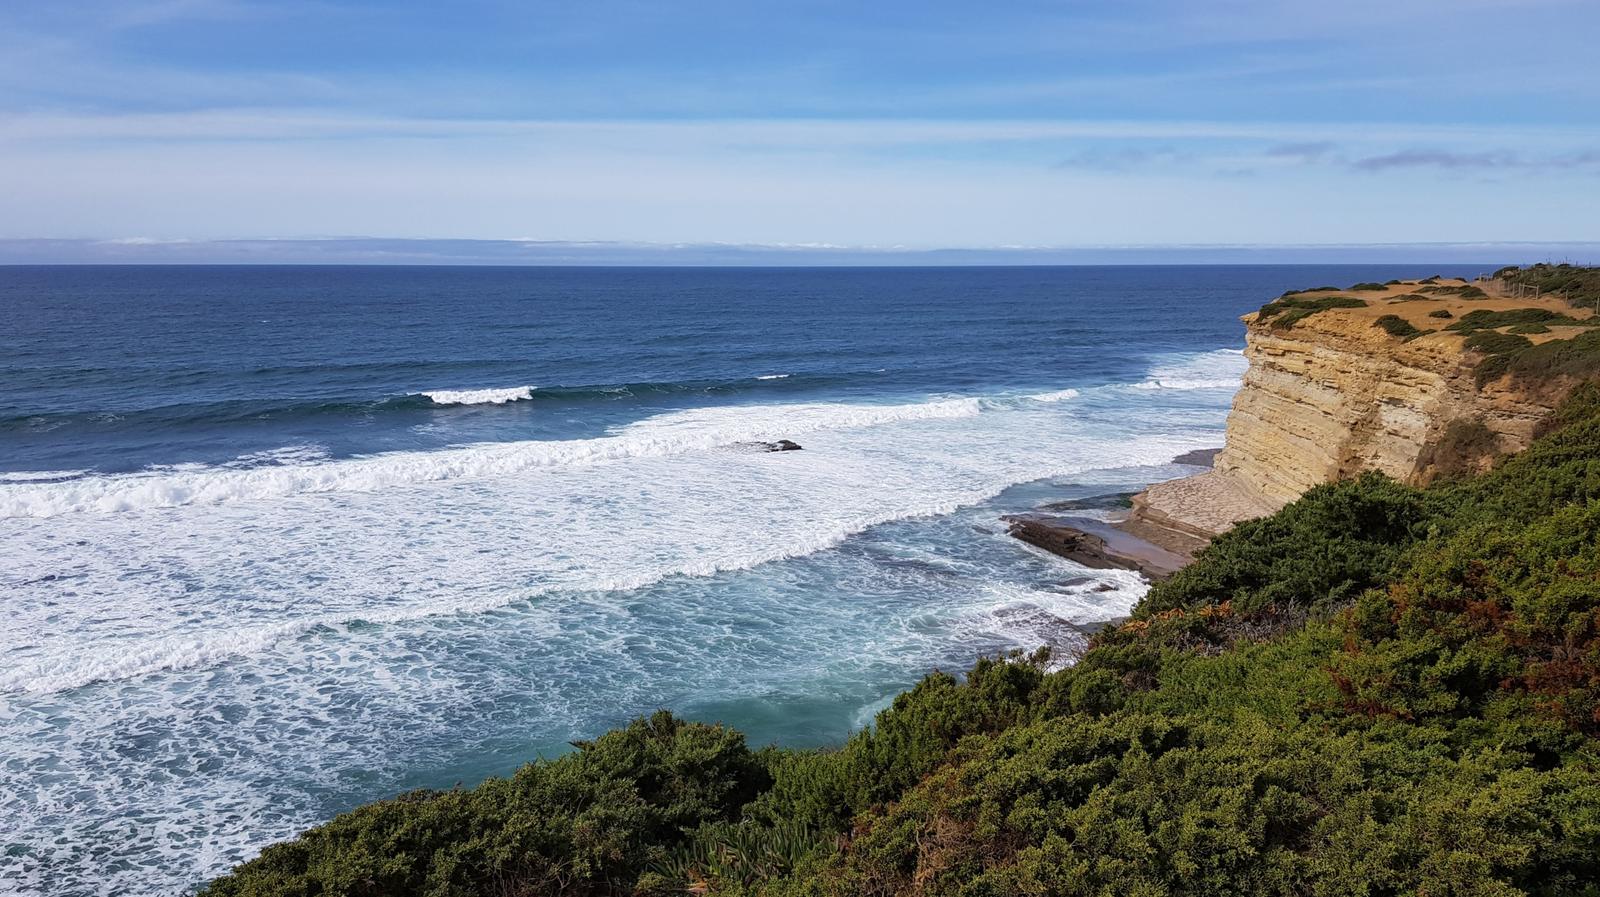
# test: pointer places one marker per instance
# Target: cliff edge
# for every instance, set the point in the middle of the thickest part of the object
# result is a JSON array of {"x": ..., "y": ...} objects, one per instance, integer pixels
[{"x": 1386, "y": 377}]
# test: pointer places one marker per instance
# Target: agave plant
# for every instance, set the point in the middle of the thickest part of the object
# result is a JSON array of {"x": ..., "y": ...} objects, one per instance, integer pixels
[{"x": 742, "y": 854}]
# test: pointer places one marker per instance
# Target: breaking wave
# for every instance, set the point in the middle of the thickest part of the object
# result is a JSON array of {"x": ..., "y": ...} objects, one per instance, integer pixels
[
  {"x": 1060, "y": 395},
  {"x": 479, "y": 396},
  {"x": 666, "y": 434}
]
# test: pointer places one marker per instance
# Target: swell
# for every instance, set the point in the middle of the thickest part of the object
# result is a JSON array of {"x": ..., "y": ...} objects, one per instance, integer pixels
[
  {"x": 666, "y": 434},
  {"x": 444, "y": 398}
]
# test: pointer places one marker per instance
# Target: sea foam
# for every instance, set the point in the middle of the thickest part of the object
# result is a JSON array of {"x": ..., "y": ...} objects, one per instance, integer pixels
[{"x": 673, "y": 433}]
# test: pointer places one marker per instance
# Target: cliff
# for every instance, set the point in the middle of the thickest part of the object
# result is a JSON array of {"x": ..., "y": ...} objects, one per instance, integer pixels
[{"x": 1346, "y": 381}]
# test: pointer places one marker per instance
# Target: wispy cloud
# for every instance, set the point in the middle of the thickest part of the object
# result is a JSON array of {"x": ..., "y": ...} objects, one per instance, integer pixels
[
  {"x": 1503, "y": 160},
  {"x": 1304, "y": 151},
  {"x": 1436, "y": 159},
  {"x": 931, "y": 124}
]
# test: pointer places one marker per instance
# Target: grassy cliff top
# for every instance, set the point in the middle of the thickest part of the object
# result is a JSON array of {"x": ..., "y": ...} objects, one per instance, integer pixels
[{"x": 1518, "y": 325}]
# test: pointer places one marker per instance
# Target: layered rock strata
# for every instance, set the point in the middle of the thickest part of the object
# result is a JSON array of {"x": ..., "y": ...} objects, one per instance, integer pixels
[{"x": 1336, "y": 394}]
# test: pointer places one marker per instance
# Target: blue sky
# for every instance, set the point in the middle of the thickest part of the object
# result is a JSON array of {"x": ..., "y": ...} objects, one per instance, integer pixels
[{"x": 889, "y": 124}]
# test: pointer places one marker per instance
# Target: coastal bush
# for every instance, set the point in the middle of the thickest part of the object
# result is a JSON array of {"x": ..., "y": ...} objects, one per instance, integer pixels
[
  {"x": 1514, "y": 355},
  {"x": 1440, "y": 313},
  {"x": 1578, "y": 357},
  {"x": 1337, "y": 540},
  {"x": 1368, "y": 287},
  {"x": 1528, "y": 328},
  {"x": 1286, "y": 311},
  {"x": 1463, "y": 447},
  {"x": 1578, "y": 285},
  {"x": 1493, "y": 342},
  {"x": 1465, "y": 291},
  {"x": 1394, "y": 325},
  {"x": 1484, "y": 319},
  {"x": 585, "y": 823},
  {"x": 1380, "y": 689}
]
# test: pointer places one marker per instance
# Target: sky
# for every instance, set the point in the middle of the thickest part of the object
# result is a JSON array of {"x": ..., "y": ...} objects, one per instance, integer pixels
[{"x": 135, "y": 126}]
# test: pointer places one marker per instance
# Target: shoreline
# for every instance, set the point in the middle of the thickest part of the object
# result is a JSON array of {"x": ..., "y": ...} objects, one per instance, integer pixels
[{"x": 1151, "y": 536}]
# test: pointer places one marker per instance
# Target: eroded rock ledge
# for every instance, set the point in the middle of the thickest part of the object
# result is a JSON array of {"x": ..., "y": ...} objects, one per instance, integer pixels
[{"x": 1095, "y": 545}]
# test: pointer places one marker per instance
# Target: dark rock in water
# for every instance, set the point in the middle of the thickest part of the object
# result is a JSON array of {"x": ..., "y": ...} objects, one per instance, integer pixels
[
  {"x": 1114, "y": 501},
  {"x": 781, "y": 445},
  {"x": 1198, "y": 457},
  {"x": 1095, "y": 545},
  {"x": 1075, "y": 581}
]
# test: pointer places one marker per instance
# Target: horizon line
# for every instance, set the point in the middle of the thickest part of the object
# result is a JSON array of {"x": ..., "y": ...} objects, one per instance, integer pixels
[{"x": 528, "y": 252}]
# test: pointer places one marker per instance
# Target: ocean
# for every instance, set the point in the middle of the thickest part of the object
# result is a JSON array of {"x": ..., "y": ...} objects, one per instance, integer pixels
[{"x": 276, "y": 541}]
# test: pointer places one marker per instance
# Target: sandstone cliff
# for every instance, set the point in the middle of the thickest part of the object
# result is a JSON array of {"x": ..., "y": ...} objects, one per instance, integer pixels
[{"x": 1336, "y": 393}]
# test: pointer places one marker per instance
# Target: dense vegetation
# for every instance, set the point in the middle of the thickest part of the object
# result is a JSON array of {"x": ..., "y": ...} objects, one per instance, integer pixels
[
  {"x": 1379, "y": 690},
  {"x": 1579, "y": 285},
  {"x": 1510, "y": 352},
  {"x": 1484, "y": 319}
]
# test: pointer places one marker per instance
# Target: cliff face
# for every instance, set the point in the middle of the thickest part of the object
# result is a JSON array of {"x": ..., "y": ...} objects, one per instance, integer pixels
[{"x": 1335, "y": 396}]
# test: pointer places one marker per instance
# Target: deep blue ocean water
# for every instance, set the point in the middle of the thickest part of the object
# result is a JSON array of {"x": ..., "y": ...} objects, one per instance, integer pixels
[{"x": 278, "y": 541}]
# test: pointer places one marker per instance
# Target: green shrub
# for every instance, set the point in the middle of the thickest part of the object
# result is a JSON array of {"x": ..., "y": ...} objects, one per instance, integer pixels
[
  {"x": 1368, "y": 287},
  {"x": 1463, "y": 447},
  {"x": 1465, "y": 291},
  {"x": 1395, "y": 325},
  {"x": 1291, "y": 558},
  {"x": 1285, "y": 312},
  {"x": 1578, "y": 357},
  {"x": 586, "y": 823},
  {"x": 1440, "y": 313},
  {"x": 1493, "y": 342},
  {"x": 1483, "y": 319},
  {"x": 1578, "y": 285}
]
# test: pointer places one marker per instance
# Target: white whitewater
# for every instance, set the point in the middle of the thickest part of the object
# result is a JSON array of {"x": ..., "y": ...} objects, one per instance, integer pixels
[
  {"x": 206, "y": 659},
  {"x": 479, "y": 396}
]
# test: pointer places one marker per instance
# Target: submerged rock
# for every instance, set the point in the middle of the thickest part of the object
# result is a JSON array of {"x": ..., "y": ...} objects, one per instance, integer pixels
[
  {"x": 1114, "y": 501},
  {"x": 1104, "y": 548}
]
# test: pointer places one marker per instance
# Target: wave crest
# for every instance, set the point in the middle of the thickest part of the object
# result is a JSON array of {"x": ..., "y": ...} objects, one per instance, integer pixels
[
  {"x": 1215, "y": 383},
  {"x": 1060, "y": 395},
  {"x": 479, "y": 396}
]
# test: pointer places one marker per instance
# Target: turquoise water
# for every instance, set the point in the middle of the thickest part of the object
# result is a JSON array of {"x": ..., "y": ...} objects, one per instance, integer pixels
[{"x": 280, "y": 541}]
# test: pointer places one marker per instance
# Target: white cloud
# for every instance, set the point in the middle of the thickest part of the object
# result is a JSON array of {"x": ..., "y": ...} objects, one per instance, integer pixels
[{"x": 312, "y": 124}]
